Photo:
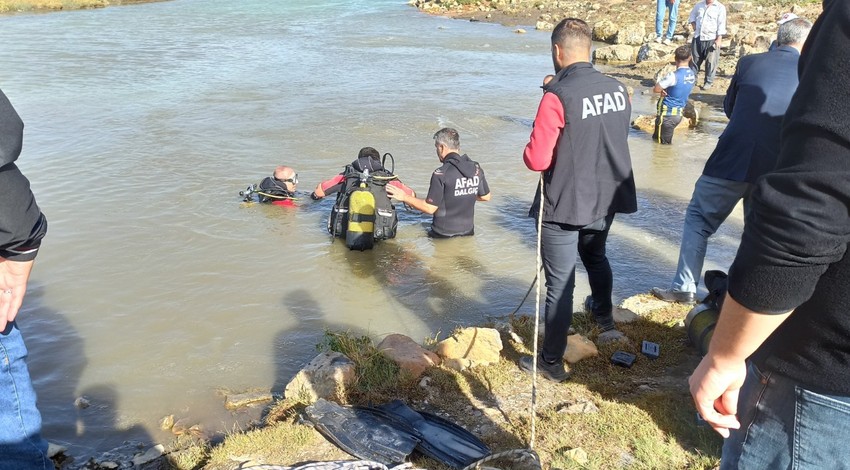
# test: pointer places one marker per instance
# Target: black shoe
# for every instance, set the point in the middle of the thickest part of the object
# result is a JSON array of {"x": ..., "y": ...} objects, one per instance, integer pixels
[
  {"x": 670, "y": 295},
  {"x": 605, "y": 322},
  {"x": 554, "y": 372}
]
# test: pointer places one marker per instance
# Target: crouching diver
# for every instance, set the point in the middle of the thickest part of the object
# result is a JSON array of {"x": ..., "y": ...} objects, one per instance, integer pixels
[
  {"x": 278, "y": 189},
  {"x": 362, "y": 212}
]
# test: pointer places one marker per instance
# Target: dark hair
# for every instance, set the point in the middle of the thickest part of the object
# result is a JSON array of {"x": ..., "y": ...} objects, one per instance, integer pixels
[
  {"x": 369, "y": 152},
  {"x": 571, "y": 31},
  {"x": 448, "y": 137},
  {"x": 682, "y": 53}
]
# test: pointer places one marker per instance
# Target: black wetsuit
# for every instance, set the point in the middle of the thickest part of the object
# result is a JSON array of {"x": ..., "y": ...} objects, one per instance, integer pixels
[{"x": 455, "y": 187}]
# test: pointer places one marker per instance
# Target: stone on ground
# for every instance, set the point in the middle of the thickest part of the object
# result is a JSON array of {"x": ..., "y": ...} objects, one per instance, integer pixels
[
  {"x": 326, "y": 376},
  {"x": 471, "y": 347},
  {"x": 409, "y": 356},
  {"x": 578, "y": 348}
]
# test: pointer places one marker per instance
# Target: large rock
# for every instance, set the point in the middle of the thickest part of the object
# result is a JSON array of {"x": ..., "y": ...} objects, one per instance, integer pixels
[
  {"x": 605, "y": 31},
  {"x": 407, "y": 354},
  {"x": 471, "y": 347},
  {"x": 617, "y": 53},
  {"x": 578, "y": 348},
  {"x": 326, "y": 376},
  {"x": 738, "y": 7},
  {"x": 690, "y": 114},
  {"x": 631, "y": 34}
]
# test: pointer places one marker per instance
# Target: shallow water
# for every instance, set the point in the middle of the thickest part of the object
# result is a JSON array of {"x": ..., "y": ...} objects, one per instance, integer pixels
[{"x": 156, "y": 287}]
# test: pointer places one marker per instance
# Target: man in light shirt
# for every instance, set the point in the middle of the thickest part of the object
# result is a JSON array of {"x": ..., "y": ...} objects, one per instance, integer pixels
[{"x": 708, "y": 21}]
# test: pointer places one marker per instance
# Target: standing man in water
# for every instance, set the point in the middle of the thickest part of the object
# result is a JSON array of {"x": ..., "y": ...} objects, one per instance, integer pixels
[
  {"x": 776, "y": 380},
  {"x": 454, "y": 189},
  {"x": 579, "y": 143},
  {"x": 22, "y": 226}
]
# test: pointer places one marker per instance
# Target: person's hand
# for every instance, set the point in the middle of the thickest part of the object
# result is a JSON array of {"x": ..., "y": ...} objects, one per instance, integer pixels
[
  {"x": 714, "y": 388},
  {"x": 13, "y": 286},
  {"x": 395, "y": 193},
  {"x": 314, "y": 196}
]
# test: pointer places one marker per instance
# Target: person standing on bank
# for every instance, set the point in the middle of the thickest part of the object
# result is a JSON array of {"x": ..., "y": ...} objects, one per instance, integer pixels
[
  {"x": 662, "y": 7},
  {"x": 454, "y": 189},
  {"x": 776, "y": 380},
  {"x": 674, "y": 88},
  {"x": 708, "y": 21},
  {"x": 22, "y": 226},
  {"x": 579, "y": 143},
  {"x": 756, "y": 101}
]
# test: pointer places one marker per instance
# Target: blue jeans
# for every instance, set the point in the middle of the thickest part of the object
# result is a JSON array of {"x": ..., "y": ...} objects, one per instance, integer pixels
[
  {"x": 785, "y": 426},
  {"x": 21, "y": 445},
  {"x": 711, "y": 203},
  {"x": 559, "y": 245},
  {"x": 660, "y": 10}
]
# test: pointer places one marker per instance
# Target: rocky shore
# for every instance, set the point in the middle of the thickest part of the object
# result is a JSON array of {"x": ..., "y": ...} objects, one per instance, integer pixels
[{"x": 628, "y": 28}]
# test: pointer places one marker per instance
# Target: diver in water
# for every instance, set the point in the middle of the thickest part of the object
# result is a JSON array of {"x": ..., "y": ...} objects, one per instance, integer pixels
[
  {"x": 361, "y": 220},
  {"x": 278, "y": 189}
]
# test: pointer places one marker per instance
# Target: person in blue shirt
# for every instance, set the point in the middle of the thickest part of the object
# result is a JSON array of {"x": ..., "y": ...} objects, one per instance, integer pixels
[
  {"x": 755, "y": 103},
  {"x": 675, "y": 88}
]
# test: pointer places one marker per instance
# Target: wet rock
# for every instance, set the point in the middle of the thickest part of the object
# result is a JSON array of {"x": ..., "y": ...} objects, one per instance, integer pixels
[
  {"x": 578, "y": 348},
  {"x": 617, "y": 53},
  {"x": 544, "y": 26},
  {"x": 166, "y": 423},
  {"x": 152, "y": 454},
  {"x": 181, "y": 426},
  {"x": 82, "y": 402},
  {"x": 55, "y": 449},
  {"x": 326, "y": 376},
  {"x": 479, "y": 346},
  {"x": 239, "y": 400},
  {"x": 408, "y": 354}
]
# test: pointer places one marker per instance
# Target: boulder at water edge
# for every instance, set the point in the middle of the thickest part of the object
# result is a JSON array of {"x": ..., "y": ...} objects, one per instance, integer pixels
[
  {"x": 408, "y": 354},
  {"x": 326, "y": 376}
]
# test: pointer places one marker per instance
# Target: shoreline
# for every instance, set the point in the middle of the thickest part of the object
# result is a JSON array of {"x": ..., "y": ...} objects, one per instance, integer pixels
[{"x": 12, "y": 7}]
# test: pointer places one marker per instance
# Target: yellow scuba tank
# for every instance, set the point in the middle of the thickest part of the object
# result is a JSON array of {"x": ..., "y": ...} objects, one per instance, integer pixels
[{"x": 361, "y": 219}]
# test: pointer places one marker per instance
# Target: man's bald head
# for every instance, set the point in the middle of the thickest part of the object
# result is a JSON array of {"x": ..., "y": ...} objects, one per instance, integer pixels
[{"x": 287, "y": 176}]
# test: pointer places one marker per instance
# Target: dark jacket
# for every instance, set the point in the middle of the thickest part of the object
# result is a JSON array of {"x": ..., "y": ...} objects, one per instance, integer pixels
[
  {"x": 755, "y": 103},
  {"x": 793, "y": 253},
  {"x": 588, "y": 173},
  {"x": 21, "y": 222}
]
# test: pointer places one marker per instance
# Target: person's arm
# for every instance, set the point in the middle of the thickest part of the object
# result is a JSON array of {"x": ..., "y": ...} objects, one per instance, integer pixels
[
  {"x": 548, "y": 125},
  {"x": 692, "y": 19},
  {"x": 721, "y": 27},
  {"x": 328, "y": 187},
  {"x": 398, "y": 184},
  {"x": 398, "y": 194},
  {"x": 720, "y": 375},
  {"x": 13, "y": 286},
  {"x": 666, "y": 82},
  {"x": 483, "y": 187},
  {"x": 11, "y": 132}
]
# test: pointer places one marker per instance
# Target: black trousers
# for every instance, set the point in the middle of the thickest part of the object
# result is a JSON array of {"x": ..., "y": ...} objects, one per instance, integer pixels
[
  {"x": 560, "y": 243},
  {"x": 664, "y": 128}
]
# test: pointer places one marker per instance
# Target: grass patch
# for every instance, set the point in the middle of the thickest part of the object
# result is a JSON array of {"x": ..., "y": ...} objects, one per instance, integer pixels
[{"x": 378, "y": 378}]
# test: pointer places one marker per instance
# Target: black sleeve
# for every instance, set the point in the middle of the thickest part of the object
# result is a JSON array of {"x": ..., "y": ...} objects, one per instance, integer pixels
[
  {"x": 11, "y": 132},
  {"x": 800, "y": 218}
]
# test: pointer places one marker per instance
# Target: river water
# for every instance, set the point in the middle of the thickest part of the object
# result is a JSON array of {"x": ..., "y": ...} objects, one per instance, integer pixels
[{"x": 157, "y": 288}]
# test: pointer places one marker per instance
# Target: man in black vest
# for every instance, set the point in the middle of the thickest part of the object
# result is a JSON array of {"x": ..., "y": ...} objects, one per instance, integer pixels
[
  {"x": 579, "y": 144},
  {"x": 454, "y": 189}
]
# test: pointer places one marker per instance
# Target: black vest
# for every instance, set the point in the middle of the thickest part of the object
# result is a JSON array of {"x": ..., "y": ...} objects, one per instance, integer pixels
[
  {"x": 591, "y": 174},
  {"x": 386, "y": 218}
]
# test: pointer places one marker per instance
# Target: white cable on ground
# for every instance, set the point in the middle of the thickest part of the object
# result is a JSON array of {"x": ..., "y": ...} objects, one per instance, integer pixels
[{"x": 536, "y": 318}]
